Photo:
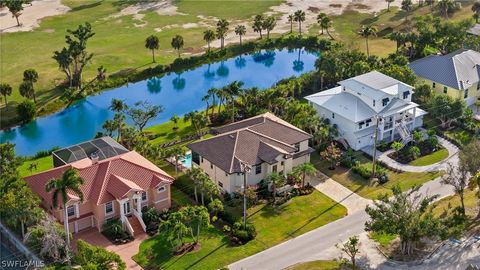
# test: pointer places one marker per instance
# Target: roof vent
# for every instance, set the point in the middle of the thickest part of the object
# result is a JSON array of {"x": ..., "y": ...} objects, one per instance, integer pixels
[
  {"x": 94, "y": 158},
  {"x": 231, "y": 136}
]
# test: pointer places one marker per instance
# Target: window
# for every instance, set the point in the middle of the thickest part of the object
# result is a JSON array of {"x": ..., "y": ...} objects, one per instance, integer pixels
[
  {"x": 211, "y": 165},
  {"x": 196, "y": 158},
  {"x": 258, "y": 169},
  {"x": 433, "y": 85},
  {"x": 445, "y": 89},
  {"x": 368, "y": 122},
  {"x": 360, "y": 125},
  {"x": 144, "y": 196},
  {"x": 373, "y": 103},
  {"x": 161, "y": 189},
  {"x": 465, "y": 95},
  {"x": 274, "y": 168},
  {"x": 220, "y": 184},
  {"x": 202, "y": 159},
  {"x": 406, "y": 94},
  {"x": 71, "y": 210},
  {"x": 281, "y": 163},
  {"x": 385, "y": 101},
  {"x": 108, "y": 208}
]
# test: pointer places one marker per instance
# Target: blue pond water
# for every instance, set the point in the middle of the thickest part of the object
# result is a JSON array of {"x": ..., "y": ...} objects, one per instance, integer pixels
[{"x": 177, "y": 93}]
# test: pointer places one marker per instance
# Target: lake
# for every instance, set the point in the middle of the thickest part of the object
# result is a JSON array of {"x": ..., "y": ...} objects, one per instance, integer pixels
[{"x": 178, "y": 93}]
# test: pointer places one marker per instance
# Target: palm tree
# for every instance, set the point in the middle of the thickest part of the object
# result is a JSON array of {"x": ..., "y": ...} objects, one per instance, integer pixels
[
  {"x": 299, "y": 16},
  {"x": 326, "y": 23},
  {"x": 195, "y": 175},
  {"x": 388, "y": 4},
  {"x": 240, "y": 30},
  {"x": 366, "y": 32},
  {"x": 208, "y": 36},
  {"x": 305, "y": 169},
  {"x": 27, "y": 91},
  {"x": 258, "y": 24},
  {"x": 233, "y": 90},
  {"x": 407, "y": 7},
  {"x": 290, "y": 20},
  {"x": 222, "y": 28},
  {"x": 30, "y": 75},
  {"x": 213, "y": 93},
  {"x": 69, "y": 182},
  {"x": 152, "y": 44},
  {"x": 319, "y": 19},
  {"x": 399, "y": 37},
  {"x": 476, "y": 10},
  {"x": 175, "y": 119},
  {"x": 276, "y": 180},
  {"x": 177, "y": 43},
  {"x": 206, "y": 99},
  {"x": 445, "y": 6},
  {"x": 5, "y": 90},
  {"x": 268, "y": 24}
]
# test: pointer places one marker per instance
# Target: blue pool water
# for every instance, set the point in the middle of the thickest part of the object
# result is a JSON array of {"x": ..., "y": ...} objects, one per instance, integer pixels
[
  {"x": 186, "y": 160},
  {"x": 177, "y": 93}
]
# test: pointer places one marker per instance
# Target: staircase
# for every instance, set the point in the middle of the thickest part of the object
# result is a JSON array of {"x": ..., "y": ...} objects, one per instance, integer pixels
[
  {"x": 136, "y": 226},
  {"x": 404, "y": 132}
]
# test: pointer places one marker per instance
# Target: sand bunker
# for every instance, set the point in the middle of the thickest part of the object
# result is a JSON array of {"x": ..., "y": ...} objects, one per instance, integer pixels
[{"x": 31, "y": 15}]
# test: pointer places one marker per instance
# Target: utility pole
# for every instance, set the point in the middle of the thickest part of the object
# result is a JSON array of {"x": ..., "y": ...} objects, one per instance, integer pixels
[
  {"x": 245, "y": 167},
  {"x": 375, "y": 138}
]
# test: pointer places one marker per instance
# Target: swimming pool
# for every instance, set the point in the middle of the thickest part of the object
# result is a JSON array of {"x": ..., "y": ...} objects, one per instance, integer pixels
[{"x": 186, "y": 160}]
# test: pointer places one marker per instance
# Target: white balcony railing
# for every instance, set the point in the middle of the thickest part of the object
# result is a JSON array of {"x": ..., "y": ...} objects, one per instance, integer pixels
[{"x": 140, "y": 219}]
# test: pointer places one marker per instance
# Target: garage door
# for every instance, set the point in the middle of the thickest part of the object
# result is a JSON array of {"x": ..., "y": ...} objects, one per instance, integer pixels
[{"x": 84, "y": 223}]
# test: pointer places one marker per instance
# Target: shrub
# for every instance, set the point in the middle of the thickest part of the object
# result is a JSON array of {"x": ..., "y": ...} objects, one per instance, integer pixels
[
  {"x": 113, "y": 230},
  {"x": 26, "y": 111},
  {"x": 244, "y": 235},
  {"x": 45, "y": 153},
  {"x": 226, "y": 228},
  {"x": 414, "y": 152},
  {"x": 151, "y": 218}
]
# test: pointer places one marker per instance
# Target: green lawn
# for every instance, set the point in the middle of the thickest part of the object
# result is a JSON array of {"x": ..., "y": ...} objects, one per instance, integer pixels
[
  {"x": 274, "y": 225},
  {"x": 315, "y": 265},
  {"x": 430, "y": 159},
  {"x": 450, "y": 202},
  {"x": 164, "y": 132},
  {"x": 383, "y": 239},
  {"x": 362, "y": 187},
  {"x": 43, "y": 164},
  {"x": 462, "y": 136}
]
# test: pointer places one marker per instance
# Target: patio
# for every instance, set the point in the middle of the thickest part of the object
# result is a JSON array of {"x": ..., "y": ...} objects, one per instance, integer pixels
[{"x": 125, "y": 251}]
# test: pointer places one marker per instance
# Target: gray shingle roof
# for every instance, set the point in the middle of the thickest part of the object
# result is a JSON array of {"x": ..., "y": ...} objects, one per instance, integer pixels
[
  {"x": 255, "y": 140},
  {"x": 458, "y": 70}
]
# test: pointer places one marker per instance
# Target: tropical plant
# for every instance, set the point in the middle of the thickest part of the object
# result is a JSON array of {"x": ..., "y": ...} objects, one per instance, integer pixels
[
  {"x": 175, "y": 120},
  {"x": 367, "y": 32},
  {"x": 142, "y": 113},
  {"x": 325, "y": 23},
  {"x": 198, "y": 119},
  {"x": 446, "y": 109},
  {"x": 177, "y": 43},
  {"x": 397, "y": 146},
  {"x": 60, "y": 187},
  {"x": 291, "y": 18},
  {"x": 176, "y": 151},
  {"x": 152, "y": 43},
  {"x": 414, "y": 152},
  {"x": 26, "y": 111},
  {"x": 215, "y": 207},
  {"x": 240, "y": 30},
  {"x": 232, "y": 91},
  {"x": 208, "y": 36},
  {"x": 258, "y": 24},
  {"x": 275, "y": 180},
  {"x": 94, "y": 257},
  {"x": 16, "y": 7},
  {"x": 74, "y": 58},
  {"x": 417, "y": 136},
  {"x": 399, "y": 37},
  {"x": 388, "y": 4},
  {"x": 304, "y": 170},
  {"x": 195, "y": 175},
  {"x": 222, "y": 28},
  {"x": 332, "y": 155},
  {"x": 268, "y": 24},
  {"x": 351, "y": 248},
  {"x": 299, "y": 16},
  {"x": 406, "y": 214},
  {"x": 26, "y": 90},
  {"x": 5, "y": 90},
  {"x": 423, "y": 93}
]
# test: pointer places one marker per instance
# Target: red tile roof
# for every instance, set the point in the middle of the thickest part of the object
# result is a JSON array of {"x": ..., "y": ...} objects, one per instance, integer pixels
[{"x": 106, "y": 180}]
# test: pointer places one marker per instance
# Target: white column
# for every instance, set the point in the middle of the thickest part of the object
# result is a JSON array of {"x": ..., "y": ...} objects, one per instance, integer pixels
[
  {"x": 122, "y": 214},
  {"x": 394, "y": 128},
  {"x": 139, "y": 205}
]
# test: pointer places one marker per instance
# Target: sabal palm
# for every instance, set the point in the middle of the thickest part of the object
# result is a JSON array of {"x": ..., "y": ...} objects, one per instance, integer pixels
[
  {"x": 290, "y": 20},
  {"x": 222, "y": 28},
  {"x": 305, "y": 169},
  {"x": 5, "y": 90},
  {"x": 320, "y": 19},
  {"x": 299, "y": 16},
  {"x": 70, "y": 181},
  {"x": 276, "y": 180},
  {"x": 445, "y": 6},
  {"x": 240, "y": 30},
  {"x": 208, "y": 36},
  {"x": 213, "y": 93},
  {"x": 233, "y": 90},
  {"x": 366, "y": 32},
  {"x": 326, "y": 23},
  {"x": 195, "y": 175},
  {"x": 26, "y": 90},
  {"x": 177, "y": 43},
  {"x": 152, "y": 43}
]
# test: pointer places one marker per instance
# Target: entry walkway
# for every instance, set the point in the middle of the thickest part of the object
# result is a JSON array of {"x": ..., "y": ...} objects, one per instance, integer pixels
[
  {"x": 125, "y": 251},
  {"x": 442, "y": 165},
  {"x": 352, "y": 201}
]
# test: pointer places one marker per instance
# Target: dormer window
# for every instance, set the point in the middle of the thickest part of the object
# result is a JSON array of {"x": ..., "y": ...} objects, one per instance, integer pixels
[
  {"x": 385, "y": 101},
  {"x": 360, "y": 125},
  {"x": 406, "y": 94},
  {"x": 373, "y": 103}
]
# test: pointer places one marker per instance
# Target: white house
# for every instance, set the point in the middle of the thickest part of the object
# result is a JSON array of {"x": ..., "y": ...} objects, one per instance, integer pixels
[
  {"x": 265, "y": 143},
  {"x": 357, "y": 103}
]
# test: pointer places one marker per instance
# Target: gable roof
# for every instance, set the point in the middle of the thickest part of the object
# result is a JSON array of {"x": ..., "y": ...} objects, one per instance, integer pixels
[
  {"x": 106, "y": 179},
  {"x": 255, "y": 140},
  {"x": 458, "y": 70}
]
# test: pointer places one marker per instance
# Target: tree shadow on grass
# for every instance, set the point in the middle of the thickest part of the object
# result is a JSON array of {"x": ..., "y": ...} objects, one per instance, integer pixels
[{"x": 86, "y": 6}]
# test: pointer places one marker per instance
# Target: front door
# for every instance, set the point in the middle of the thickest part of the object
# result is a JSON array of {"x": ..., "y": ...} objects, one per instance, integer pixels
[{"x": 126, "y": 208}]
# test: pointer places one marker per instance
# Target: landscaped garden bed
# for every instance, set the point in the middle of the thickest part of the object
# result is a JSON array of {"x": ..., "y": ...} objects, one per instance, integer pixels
[{"x": 420, "y": 154}]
